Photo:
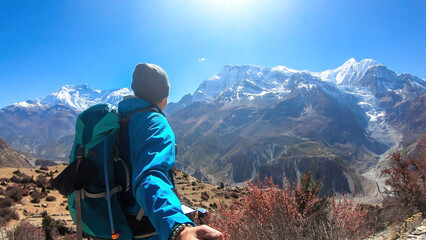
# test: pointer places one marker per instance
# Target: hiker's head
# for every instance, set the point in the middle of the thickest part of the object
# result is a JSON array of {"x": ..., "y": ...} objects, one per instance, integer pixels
[{"x": 150, "y": 83}]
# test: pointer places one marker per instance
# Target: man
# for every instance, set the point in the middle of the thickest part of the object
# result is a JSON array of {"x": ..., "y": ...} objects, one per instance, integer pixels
[{"x": 151, "y": 145}]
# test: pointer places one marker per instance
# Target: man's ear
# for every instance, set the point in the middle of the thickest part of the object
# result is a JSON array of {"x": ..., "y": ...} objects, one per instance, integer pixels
[{"x": 163, "y": 103}]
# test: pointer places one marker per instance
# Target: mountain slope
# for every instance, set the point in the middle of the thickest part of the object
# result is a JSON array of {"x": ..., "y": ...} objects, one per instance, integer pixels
[
  {"x": 27, "y": 128},
  {"x": 244, "y": 121},
  {"x": 311, "y": 128},
  {"x": 10, "y": 158},
  {"x": 45, "y": 126}
]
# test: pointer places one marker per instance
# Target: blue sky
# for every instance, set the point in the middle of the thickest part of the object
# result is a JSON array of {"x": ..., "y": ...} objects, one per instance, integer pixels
[{"x": 47, "y": 44}]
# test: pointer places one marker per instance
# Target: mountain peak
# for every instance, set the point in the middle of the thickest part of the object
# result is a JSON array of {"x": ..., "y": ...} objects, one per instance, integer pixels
[
  {"x": 77, "y": 97},
  {"x": 239, "y": 68},
  {"x": 74, "y": 87},
  {"x": 366, "y": 61},
  {"x": 348, "y": 72},
  {"x": 351, "y": 60},
  {"x": 28, "y": 104}
]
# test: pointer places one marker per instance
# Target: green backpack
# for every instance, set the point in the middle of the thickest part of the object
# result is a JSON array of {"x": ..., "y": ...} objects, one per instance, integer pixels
[{"x": 90, "y": 181}]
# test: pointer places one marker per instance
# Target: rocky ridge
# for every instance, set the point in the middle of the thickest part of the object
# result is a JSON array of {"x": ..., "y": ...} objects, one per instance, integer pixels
[{"x": 11, "y": 158}]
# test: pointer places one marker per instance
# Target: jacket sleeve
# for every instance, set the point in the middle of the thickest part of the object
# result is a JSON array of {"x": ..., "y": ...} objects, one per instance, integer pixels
[{"x": 152, "y": 147}]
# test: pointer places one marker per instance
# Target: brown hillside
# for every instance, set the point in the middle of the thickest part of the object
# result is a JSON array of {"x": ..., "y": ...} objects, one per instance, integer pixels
[
  {"x": 11, "y": 158},
  {"x": 192, "y": 192}
]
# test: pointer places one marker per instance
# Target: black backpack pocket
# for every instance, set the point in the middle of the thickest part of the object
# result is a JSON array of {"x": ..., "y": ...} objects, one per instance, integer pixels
[{"x": 75, "y": 176}]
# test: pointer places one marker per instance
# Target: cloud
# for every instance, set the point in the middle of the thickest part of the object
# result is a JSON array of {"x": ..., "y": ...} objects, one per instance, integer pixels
[{"x": 201, "y": 59}]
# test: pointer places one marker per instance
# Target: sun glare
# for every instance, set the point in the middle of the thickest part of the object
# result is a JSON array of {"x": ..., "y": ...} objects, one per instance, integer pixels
[
  {"x": 230, "y": 5},
  {"x": 229, "y": 9}
]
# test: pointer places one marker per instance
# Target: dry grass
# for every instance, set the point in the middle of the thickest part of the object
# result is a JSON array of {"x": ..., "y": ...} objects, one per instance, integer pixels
[
  {"x": 31, "y": 212},
  {"x": 189, "y": 188}
]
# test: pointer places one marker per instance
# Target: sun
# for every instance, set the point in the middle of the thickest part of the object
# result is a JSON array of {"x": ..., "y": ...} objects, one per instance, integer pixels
[{"x": 229, "y": 9}]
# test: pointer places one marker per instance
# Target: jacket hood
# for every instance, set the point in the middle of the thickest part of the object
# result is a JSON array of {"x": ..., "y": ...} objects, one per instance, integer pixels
[{"x": 132, "y": 103}]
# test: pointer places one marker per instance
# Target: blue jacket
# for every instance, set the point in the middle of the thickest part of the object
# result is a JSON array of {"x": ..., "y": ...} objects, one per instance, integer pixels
[{"x": 152, "y": 156}]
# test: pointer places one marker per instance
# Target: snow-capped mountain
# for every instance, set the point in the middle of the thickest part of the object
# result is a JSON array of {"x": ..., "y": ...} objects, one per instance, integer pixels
[
  {"x": 250, "y": 120},
  {"x": 78, "y": 97},
  {"x": 254, "y": 80},
  {"x": 349, "y": 72},
  {"x": 245, "y": 120},
  {"x": 241, "y": 84},
  {"x": 45, "y": 126},
  {"x": 366, "y": 81}
]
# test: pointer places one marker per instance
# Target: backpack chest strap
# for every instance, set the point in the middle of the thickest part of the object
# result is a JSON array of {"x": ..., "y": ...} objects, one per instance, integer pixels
[{"x": 85, "y": 193}]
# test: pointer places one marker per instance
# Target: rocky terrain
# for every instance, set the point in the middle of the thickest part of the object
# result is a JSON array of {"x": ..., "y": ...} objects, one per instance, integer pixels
[
  {"x": 192, "y": 192},
  {"x": 11, "y": 158},
  {"x": 414, "y": 228}
]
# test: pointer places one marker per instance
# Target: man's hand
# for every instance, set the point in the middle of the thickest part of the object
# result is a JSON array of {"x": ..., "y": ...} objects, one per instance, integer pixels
[{"x": 200, "y": 233}]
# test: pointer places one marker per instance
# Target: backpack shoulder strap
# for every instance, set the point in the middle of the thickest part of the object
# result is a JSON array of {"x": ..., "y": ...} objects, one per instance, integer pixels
[{"x": 124, "y": 121}]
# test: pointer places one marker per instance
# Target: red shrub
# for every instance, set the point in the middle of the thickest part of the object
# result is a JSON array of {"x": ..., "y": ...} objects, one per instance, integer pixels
[
  {"x": 6, "y": 202},
  {"x": 7, "y": 214},
  {"x": 25, "y": 192},
  {"x": 3, "y": 179},
  {"x": 270, "y": 212},
  {"x": 44, "y": 168},
  {"x": 70, "y": 237},
  {"x": 26, "y": 231},
  {"x": 50, "y": 198},
  {"x": 41, "y": 181},
  {"x": 15, "y": 192},
  {"x": 407, "y": 180},
  {"x": 350, "y": 220},
  {"x": 16, "y": 179},
  {"x": 26, "y": 179},
  {"x": 36, "y": 197}
]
